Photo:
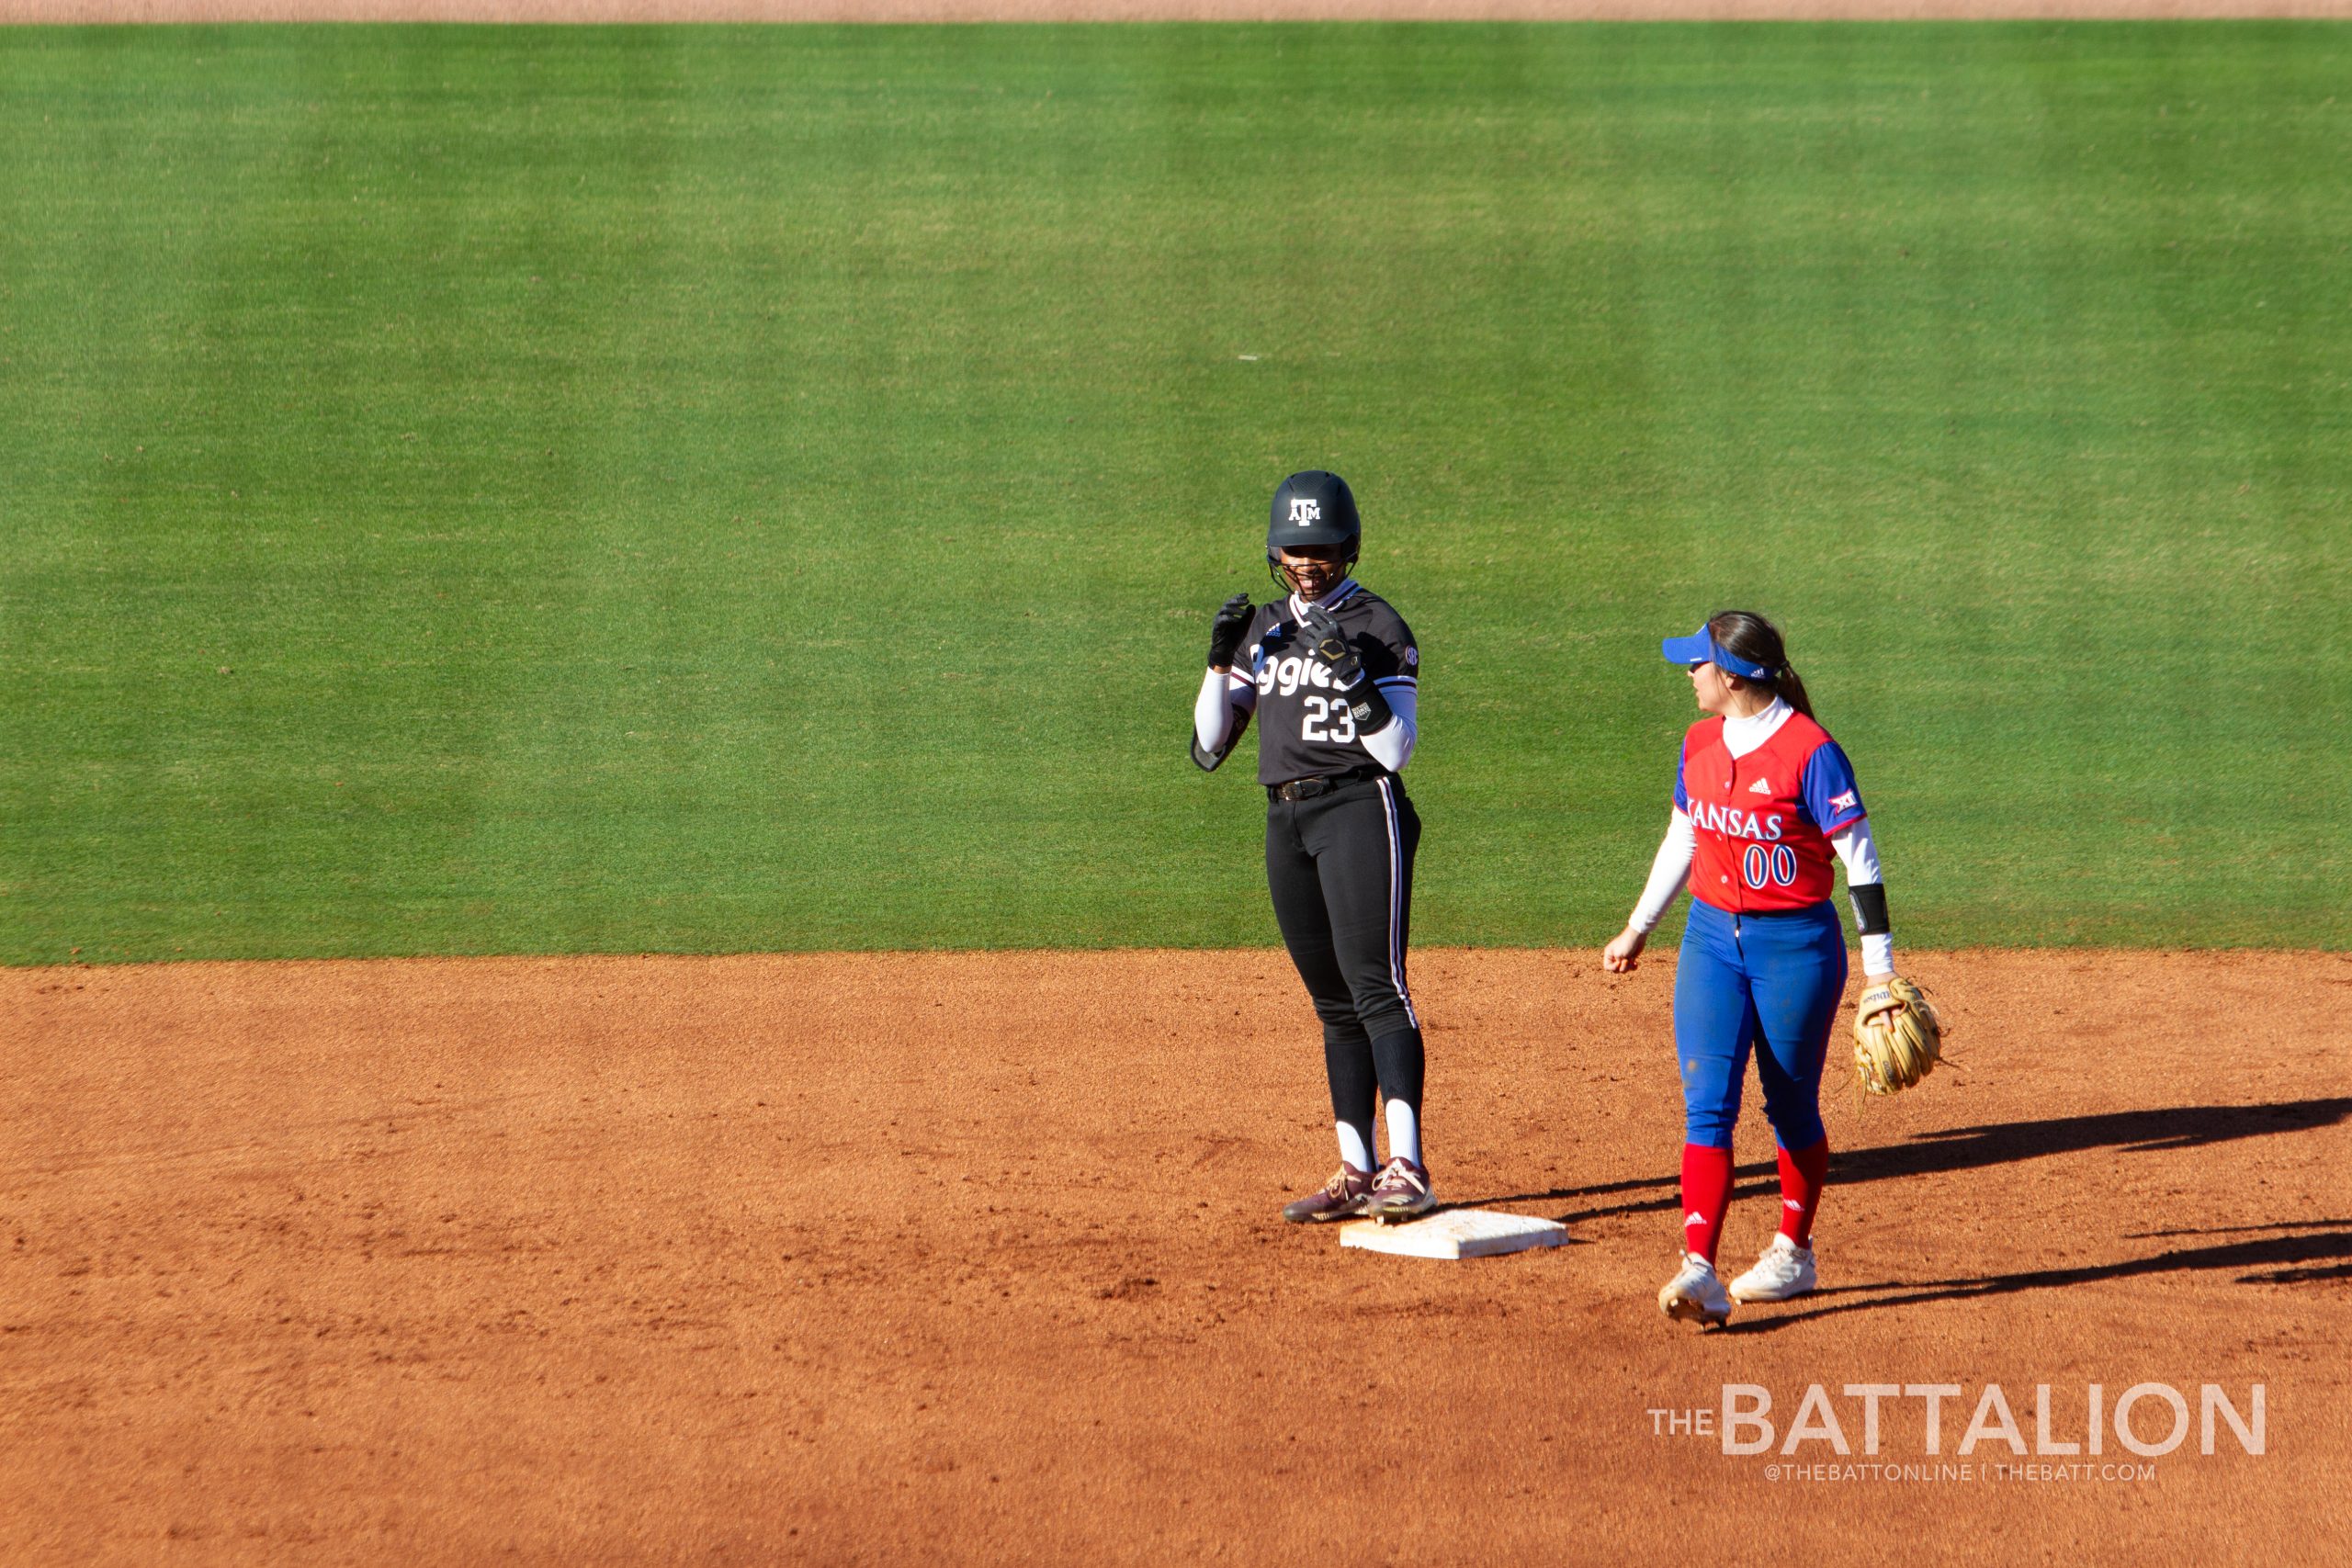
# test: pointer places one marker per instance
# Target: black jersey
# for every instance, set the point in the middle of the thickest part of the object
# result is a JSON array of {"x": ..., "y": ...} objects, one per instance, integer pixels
[{"x": 1303, "y": 729}]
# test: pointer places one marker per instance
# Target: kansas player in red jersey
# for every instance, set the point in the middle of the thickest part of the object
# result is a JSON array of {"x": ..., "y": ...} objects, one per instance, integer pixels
[{"x": 1764, "y": 803}]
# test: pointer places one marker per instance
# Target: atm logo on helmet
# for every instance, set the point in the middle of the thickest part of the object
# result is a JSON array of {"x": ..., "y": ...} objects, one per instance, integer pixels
[{"x": 1306, "y": 509}]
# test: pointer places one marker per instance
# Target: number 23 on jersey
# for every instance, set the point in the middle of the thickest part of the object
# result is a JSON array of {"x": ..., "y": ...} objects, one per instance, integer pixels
[{"x": 1320, "y": 717}]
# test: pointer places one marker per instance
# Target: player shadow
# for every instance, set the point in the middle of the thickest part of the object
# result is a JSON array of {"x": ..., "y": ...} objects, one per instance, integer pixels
[
  {"x": 2160, "y": 1131},
  {"x": 2301, "y": 1252}
]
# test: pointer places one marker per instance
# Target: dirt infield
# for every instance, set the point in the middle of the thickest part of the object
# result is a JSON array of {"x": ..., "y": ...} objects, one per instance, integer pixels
[{"x": 971, "y": 1257}]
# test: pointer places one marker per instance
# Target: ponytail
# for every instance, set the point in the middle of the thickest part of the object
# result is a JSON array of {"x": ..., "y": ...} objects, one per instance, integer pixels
[
  {"x": 1791, "y": 690},
  {"x": 1757, "y": 640}
]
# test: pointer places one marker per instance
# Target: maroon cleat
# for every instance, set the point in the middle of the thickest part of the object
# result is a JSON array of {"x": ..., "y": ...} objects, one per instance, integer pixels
[
  {"x": 1401, "y": 1193},
  {"x": 1343, "y": 1197}
]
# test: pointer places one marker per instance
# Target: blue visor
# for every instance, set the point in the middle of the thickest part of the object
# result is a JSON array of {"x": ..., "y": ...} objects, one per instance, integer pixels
[{"x": 1700, "y": 648}]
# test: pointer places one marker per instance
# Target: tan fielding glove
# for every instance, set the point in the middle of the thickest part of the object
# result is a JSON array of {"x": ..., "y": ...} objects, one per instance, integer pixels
[{"x": 1897, "y": 1040}]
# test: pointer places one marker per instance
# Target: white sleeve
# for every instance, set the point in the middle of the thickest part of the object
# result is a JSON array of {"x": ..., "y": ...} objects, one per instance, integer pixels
[
  {"x": 1221, "y": 692},
  {"x": 1670, "y": 874},
  {"x": 1392, "y": 745},
  {"x": 1859, "y": 851}
]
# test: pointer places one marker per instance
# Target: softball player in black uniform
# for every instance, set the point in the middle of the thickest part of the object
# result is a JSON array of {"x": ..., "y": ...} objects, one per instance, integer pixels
[{"x": 1331, "y": 673}]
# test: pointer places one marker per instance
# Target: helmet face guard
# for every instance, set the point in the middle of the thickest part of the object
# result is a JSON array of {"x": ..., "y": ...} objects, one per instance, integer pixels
[
  {"x": 1312, "y": 509},
  {"x": 1286, "y": 579}
]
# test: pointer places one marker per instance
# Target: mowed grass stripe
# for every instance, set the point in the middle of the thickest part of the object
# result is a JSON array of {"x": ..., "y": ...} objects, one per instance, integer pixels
[{"x": 708, "y": 488}]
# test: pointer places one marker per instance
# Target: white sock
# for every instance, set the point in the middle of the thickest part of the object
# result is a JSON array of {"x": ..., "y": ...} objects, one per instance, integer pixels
[
  {"x": 1353, "y": 1148},
  {"x": 1404, "y": 1133}
]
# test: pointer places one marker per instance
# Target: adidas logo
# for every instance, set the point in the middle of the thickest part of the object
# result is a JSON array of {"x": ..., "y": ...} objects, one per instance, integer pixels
[
  {"x": 1760, "y": 787},
  {"x": 1694, "y": 1219},
  {"x": 1792, "y": 1205}
]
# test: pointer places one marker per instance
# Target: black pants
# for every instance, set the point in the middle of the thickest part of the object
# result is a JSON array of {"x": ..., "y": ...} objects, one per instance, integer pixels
[{"x": 1341, "y": 869}]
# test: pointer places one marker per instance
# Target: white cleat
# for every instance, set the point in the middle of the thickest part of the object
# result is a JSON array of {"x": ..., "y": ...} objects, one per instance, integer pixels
[
  {"x": 1785, "y": 1270},
  {"x": 1695, "y": 1294}
]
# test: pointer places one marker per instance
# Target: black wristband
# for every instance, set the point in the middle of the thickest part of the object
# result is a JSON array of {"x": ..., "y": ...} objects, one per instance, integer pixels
[
  {"x": 1870, "y": 909},
  {"x": 1368, "y": 705}
]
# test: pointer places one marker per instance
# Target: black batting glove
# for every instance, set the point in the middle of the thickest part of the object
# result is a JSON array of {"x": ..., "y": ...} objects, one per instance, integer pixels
[
  {"x": 1330, "y": 644},
  {"x": 1365, "y": 701},
  {"x": 1226, "y": 628}
]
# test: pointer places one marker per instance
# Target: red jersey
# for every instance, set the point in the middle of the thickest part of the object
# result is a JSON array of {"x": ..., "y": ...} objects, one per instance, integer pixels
[{"x": 1764, "y": 820}]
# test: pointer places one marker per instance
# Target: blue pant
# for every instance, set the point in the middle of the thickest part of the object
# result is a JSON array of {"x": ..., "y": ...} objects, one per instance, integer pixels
[{"x": 1777, "y": 978}]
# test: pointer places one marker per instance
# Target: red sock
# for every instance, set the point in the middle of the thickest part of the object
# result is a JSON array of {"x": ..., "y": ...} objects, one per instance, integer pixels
[
  {"x": 1802, "y": 1175},
  {"x": 1706, "y": 1193}
]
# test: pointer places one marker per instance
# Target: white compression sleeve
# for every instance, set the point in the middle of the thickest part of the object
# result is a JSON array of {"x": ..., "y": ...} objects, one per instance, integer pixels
[
  {"x": 1213, "y": 709},
  {"x": 1392, "y": 747},
  {"x": 1668, "y": 874},
  {"x": 1859, "y": 851}
]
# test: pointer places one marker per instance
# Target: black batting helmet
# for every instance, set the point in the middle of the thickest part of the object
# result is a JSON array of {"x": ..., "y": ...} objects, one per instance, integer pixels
[{"x": 1312, "y": 507}]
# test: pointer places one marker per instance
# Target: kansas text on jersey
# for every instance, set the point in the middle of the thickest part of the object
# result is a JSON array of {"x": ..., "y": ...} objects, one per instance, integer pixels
[{"x": 1764, "y": 821}]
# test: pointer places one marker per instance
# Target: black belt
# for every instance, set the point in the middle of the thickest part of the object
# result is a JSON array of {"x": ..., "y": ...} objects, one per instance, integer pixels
[{"x": 1317, "y": 786}]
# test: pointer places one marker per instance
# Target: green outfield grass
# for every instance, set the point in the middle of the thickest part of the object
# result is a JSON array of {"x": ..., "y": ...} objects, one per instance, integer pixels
[{"x": 473, "y": 489}]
